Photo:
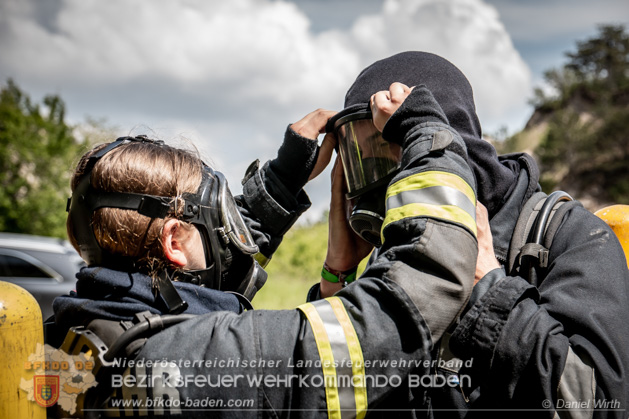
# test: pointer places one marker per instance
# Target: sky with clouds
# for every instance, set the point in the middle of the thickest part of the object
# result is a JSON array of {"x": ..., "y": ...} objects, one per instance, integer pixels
[{"x": 231, "y": 75}]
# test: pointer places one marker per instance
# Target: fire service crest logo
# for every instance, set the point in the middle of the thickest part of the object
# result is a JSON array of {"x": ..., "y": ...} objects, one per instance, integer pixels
[
  {"x": 58, "y": 378},
  {"x": 46, "y": 389}
]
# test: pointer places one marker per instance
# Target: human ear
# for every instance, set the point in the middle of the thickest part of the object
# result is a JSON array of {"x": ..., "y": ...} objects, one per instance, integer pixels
[{"x": 172, "y": 243}]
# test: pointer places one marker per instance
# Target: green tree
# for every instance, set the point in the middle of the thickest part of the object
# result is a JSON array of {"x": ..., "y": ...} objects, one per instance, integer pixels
[
  {"x": 602, "y": 62},
  {"x": 37, "y": 152},
  {"x": 586, "y": 148}
]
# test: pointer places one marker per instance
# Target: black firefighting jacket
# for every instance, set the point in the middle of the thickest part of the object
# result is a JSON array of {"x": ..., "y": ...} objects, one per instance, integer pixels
[
  {"x": 367, "y": 350},
  {"x": 561, "y": 347},
  {"x": 556, "y": 350}
]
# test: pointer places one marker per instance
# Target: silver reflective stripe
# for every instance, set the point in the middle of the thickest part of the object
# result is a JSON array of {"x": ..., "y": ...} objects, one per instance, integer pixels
[
  {"x": 577, "y": 387},
  {"x": 434, "y": 195},
  {"x": 342, "y": 360}
]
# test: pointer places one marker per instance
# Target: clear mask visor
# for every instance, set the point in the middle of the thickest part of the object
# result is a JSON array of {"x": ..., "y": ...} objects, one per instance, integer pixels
[{"x": 368, "y": 159}]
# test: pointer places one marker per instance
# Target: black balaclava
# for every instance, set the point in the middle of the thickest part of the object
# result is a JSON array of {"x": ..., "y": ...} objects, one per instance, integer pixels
[{"x": 454, "y": 93}]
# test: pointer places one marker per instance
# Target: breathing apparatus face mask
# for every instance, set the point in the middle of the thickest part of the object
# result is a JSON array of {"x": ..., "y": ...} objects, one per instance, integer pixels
[
  {"x": 227, "y": 242},
  {"x": 369, "y": 163}
]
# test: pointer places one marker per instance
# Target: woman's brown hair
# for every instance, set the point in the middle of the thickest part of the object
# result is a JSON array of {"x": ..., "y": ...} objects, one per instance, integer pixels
[{"x": 143, "y": 168}]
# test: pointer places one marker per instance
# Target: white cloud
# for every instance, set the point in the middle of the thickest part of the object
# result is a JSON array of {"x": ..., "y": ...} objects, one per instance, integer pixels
[
  {"x": 232, "y": 74},
  {"x": 466, "y": 32},
  {"x": 256, "y": 48}
]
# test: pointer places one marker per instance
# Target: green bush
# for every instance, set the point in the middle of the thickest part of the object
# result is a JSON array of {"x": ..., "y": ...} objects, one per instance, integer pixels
[{"x": 295, "y": 267}]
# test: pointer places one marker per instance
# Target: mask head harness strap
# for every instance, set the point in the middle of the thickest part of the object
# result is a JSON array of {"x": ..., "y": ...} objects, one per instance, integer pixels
[
  {"x": 85, "y": 200},
  {"x": 211, "y": 210}
]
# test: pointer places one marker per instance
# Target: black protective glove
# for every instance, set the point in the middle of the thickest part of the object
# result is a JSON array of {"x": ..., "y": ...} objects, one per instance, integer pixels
[
  {"x": 295, "y": 160},
  {"x": 419, "y": 107}
]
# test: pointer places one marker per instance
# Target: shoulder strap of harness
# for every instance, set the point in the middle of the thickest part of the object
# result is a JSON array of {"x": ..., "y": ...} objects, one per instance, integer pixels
[
  {"x": 535, "y": 229},
  {"x": 108, "y": 341}
]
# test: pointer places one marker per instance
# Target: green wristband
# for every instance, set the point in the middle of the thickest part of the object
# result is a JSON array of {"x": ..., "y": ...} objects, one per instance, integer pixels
[{"x": 334, "y": 276}]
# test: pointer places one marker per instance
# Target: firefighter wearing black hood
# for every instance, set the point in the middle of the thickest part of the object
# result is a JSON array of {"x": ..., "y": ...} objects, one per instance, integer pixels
[
  {"x": 166, "y": 339},
  {"x": 558, "y": 349}
]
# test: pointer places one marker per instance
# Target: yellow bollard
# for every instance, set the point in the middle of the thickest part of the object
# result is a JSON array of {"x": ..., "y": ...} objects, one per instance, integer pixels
[
  {"x": 617, "y": 217},
  {"x": 21, "y": 329}
]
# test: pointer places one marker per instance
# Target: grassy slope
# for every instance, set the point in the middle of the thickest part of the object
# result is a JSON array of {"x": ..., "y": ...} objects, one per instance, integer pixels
[{"x": 295, "y": 267}]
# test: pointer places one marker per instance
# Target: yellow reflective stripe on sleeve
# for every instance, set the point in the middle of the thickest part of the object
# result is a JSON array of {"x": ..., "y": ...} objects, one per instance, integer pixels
[
  {"x": 341, "y": 358},
  {"x": 449, "y": 213},
  {"x": 432, "y": 178},
  {"x": 326, "y": 357},
  {"x": 432, "y": 194},
  {"x": 356, "y": 356}
]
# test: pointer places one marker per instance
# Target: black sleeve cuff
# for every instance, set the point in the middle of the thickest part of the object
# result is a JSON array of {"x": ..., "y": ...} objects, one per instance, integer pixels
[
  {"x": 295, "y": 160},
  {"x": 489, "y": 280},
  {"x": 478, "y": 332},
  {"x": 314, "y": 293},
  {"x": 419, "y": 107}
]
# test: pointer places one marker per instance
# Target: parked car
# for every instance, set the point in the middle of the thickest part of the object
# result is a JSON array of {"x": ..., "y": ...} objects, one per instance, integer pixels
[{"x": 44, "y": 266}]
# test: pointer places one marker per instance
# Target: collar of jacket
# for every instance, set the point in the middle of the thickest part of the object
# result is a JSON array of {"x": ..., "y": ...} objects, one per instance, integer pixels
[
  {"x": 103, "y": 293},
  {"x": 503, "y": 222}
]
